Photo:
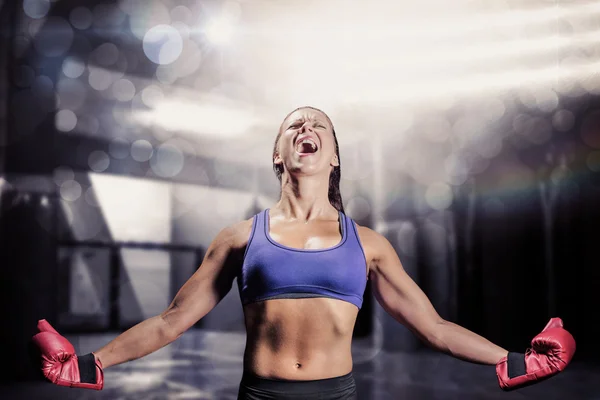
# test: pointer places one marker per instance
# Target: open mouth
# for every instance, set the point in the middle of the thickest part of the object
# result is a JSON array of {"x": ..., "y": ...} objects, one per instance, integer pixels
[{"x": 306, "y": 146}]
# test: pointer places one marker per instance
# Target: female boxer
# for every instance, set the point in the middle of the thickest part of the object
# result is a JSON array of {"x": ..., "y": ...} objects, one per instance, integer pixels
[{"x": 301, "y": 269}]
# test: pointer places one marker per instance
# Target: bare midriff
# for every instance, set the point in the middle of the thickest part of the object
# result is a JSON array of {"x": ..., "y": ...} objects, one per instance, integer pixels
[{"x": 299, "y": 339}]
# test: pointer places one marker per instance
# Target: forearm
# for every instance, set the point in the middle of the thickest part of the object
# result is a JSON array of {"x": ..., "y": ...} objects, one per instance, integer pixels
[
  {"x": 138, "y": 341},
  {"x": 462, "y": 343}
]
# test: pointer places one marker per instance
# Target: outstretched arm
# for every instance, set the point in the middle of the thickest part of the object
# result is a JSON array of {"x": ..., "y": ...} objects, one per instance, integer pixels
[
  {"x": 199, "y": 295},
  {"x": 550, "y": 353},
  {"x": 402, "y": 298}
]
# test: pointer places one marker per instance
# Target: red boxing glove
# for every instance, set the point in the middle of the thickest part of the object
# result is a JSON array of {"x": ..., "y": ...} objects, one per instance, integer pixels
[
  {"x": 550, "y": 353},
  {"x": 60, "y": 364}
]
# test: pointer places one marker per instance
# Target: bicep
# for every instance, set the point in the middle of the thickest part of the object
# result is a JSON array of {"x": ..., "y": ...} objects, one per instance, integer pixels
[
  {"x": 207, "y": 286},
  {"x": 399, "y": 295}
]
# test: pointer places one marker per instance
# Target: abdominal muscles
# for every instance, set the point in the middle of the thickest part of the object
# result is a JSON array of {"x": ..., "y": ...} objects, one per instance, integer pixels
[{"x": 299, "y": 339}]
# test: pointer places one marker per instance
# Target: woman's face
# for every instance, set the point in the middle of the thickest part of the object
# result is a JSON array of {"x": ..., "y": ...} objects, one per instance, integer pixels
[{"x": 306, "y": 145}]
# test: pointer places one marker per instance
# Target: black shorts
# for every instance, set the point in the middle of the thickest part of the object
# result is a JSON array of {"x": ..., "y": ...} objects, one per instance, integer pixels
[{"x": 253, "y": 387}]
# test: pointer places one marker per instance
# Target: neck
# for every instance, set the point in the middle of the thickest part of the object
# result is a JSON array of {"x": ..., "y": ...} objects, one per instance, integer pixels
[{"x": 305, "y": 198}]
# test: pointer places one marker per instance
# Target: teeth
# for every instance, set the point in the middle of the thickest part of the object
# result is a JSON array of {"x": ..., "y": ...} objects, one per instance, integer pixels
[{"x": 309, "y": 141}]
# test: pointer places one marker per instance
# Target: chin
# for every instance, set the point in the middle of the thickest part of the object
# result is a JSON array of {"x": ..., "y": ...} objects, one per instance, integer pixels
[{"x": 308, "y": 171}]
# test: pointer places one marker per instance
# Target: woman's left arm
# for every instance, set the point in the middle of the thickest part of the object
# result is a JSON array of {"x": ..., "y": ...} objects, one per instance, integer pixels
[
  {"x": 550, "y": 353},
  {"x": 404, "y": 300}
]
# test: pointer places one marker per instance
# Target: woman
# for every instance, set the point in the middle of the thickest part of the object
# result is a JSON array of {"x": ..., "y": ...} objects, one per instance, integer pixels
[{"x": 302, "y": 267}]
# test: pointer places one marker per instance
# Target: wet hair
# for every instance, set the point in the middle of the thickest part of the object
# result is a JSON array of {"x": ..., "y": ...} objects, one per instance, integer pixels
[{"x": 335, "y": 196}]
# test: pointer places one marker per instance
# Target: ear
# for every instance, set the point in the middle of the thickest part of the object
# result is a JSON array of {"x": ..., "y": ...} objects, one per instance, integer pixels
[
  {"x": 277, "y": 159},
  {"x": 335, "y": 162}
]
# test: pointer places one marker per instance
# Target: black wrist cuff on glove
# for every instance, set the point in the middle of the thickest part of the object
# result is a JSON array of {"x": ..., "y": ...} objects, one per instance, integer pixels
[
  {"x": 87, "y": 368},
  {"x": 516, "y": 365}
]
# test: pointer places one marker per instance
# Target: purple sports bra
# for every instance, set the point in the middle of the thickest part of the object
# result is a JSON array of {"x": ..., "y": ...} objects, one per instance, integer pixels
[{"x": 273, "y": 271}]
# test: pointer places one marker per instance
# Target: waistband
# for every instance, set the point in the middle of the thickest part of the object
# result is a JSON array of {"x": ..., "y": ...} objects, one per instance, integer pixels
[{"x": 298, "y": 387}]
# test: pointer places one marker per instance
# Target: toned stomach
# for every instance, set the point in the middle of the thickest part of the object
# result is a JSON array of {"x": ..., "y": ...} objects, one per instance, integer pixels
[{"x": 299, "y": 339}]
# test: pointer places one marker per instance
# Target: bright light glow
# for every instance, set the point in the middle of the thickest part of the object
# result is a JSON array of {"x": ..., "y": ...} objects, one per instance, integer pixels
[
  {"x": 436, "y": 51},
  {"x": 397, "y": 21},
  {"x": 219, "y": 30},
  {"x": 162, "y": 44},
  {"x": 478, "y": 84},
  {"x": 438, "y": 195},
  {"x": 471, "y": 54},
  {"x": 127, "y": 217},
  {"x": 383, "y": 68},
  {"x": 208, "y": 118}
]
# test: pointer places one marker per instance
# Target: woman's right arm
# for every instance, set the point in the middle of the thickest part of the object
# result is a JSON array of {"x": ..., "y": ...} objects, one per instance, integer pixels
[{"x": 200, "y": 294}]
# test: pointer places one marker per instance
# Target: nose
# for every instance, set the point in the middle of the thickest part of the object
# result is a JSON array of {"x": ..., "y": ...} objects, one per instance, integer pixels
[{"x": 306, "y": 127}]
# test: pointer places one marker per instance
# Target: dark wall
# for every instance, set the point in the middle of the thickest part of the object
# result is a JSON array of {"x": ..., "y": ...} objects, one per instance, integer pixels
[
  {"x": 531, "y": 254},
  {"x": 28, "y": 278},
  {"x": 27, "y": 244}
]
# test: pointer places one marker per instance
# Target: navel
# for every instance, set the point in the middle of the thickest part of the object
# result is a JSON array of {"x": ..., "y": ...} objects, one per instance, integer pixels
[{"x": 298, "y": 365}]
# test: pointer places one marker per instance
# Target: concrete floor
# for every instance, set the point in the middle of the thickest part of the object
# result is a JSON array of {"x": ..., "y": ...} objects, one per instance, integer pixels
[{"x": 208, "y": 365}]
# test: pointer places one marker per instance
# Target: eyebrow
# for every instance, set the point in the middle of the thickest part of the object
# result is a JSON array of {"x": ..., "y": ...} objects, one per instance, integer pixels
[{"x": 311, "y": 119}]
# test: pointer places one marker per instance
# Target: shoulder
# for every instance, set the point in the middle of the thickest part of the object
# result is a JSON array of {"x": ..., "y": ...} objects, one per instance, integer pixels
[
  {"x": 230, "y": 243},
  {"x": 369, "y": 236},
  {"x": 374, "y": 243},
  {"x": 236, "y": 235},
  {"x": 379, "y": 252}
]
